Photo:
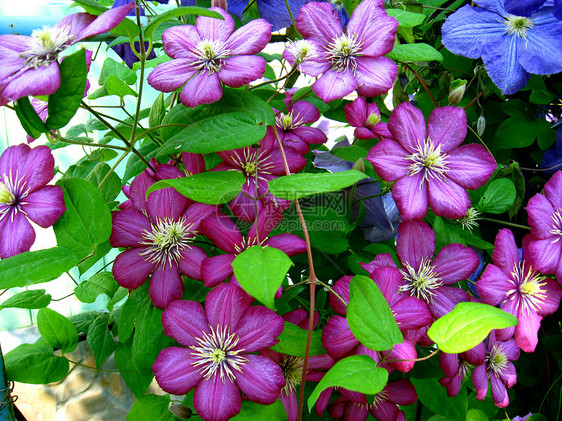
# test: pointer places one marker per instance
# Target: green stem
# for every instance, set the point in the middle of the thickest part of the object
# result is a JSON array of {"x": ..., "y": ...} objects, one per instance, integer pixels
[
  {"x": 121, "y": 158},
  {"x": 509, "y": 224},
  {"x": 100, "y": 145}
]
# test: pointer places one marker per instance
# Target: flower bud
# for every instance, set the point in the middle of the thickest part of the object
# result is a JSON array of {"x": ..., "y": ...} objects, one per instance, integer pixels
[
  {"x": 481, "y": 125},
  {"x": 456, "y": 91},
  {"x": 359, "y": 165}
]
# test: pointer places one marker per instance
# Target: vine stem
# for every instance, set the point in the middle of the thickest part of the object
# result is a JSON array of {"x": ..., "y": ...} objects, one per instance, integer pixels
[
  {"x": 509, "y": 224},
  {"x": 311, "y": 279},
  {"x": 101, "y": 145},
  {"x": 420, "y": 79},
  {"x": 427, "y": 357}
]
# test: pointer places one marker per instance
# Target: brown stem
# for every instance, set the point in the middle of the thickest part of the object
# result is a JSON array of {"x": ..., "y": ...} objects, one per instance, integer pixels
[
  {"x": 420, "y": 79},
  {"x": 473, "y": 101},
  {"x": 311, "y": 279}
]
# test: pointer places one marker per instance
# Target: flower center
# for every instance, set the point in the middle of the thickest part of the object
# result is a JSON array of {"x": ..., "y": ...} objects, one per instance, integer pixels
[
  {"x": 167, "y": 240},
  {"x": 343, "y": 51},
  {"x": 496, "y": 359},
  {"x": 6, "y": 196},
  {"x": 292, "y": 370},
  {"x": 45, "y": 46},
  {"x": 428, "y": 159},
  {"x": 211, "y": 55},
  {"x": 248, "y": 242},
  {"x": 530, "y": 286},
  {"x": 214, "y": 352},
  {"x": 518, "y": 25},
  {"x": 373, "y": 120},
  {"x": 250, "y": 169},
  {"x": 421, "y": 282},
  {"x": 380, "y": 397},
  {"x": 252, "y": 165},
  {"x": 556, "y": 224},
  {"x": 470, "y": 220}
]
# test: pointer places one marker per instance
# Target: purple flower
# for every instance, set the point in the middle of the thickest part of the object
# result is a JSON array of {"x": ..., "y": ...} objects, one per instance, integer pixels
[
  {"x": 222, "y": 231},
  {"x": 210, "y": 53},
  {"x": 518, "y": 289},
  {"x": 457, "y": 366},
  {"x": 29, "y": 64},
  {"x": 24, "y": 196},
  {"x": 429, "y": 278},
  {"x": 513, "y": 38},
  {"x": 545, "y": 219},
  {"x": 366, "y": 118},
  {"x": 428, "y": 166},
  {"x": 346, "y": 61},
  {"x": 498, "y": 369},
  {"x": 258, "y": 165},
  {"x": 216, "y": 358},
  {"x": 158, "y": 232}
]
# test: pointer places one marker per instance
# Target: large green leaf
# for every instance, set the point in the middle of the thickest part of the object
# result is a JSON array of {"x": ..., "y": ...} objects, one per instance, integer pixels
[
  {"x": 100, "y": 283},
  {"x": 213, "y": 188},
  {"x": 151, "y": 407},
  {"x": 100, "y": 340},
  {"x": 260, "y": 271},
  {"x": 121, "y": 71},
  {"x": 28, "y": 118},
  {"x": 252, "y": 411},
  {"x": 35, "y": 363},
  {"x": 411, "y": 53},
  {"x": 87, "y": 220},
  {"x": 498, "y": 197},
  {"x": 369, "y": 316},
  {"x": 57, "y": 330},
  {"x": 434, "y": 396},
  {"x": 306, "y": 184},
  {"x": 138, "y": 382},
  {"x": 468, "y": 325},
  {"x": 64, "y": 102},
  {"x": 35, "y": 267},
  {"x": 358, "y": 373},
  {"x": 406, "y": 19},
  {"x": 292, "y": 341},
  {"x": 28, "y": 299}
]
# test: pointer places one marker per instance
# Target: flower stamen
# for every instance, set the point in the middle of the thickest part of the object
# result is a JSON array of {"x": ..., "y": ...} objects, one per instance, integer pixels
[
  {"x": 556, "y": 225},
  {"x": 421, "y": 282},
  {"x": 428, "y": 159},
  {"x": 518, "y": 25},
  {"x": 342, "y": 52},
  {"x": 167, "y": 240}
]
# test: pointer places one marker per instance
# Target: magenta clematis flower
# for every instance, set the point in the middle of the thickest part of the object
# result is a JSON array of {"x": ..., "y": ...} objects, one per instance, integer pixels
[
  {"x": 545, "y": 219},
  {"x": 258, "y": 165},
  {"x": 457, "y": 366},
  {"x": 498, "y": 369},
  {"x": 29, "y": 64},
  {"x": 428, "y": 166},
  {"x": 518, "y": 289},
  {"x": 217, "y": 359},
  {"x": 384, "y": 407},
  {"x": 24, "y": 196},
  {"x": 222, "y": 231},
  {"x": 429, "y": 278},
  {"x": 350, "y": 60},
  {"x": 158, "y": 232},
  {"x": 366, "y": 118},
  {"x": 209, "y": 53}
]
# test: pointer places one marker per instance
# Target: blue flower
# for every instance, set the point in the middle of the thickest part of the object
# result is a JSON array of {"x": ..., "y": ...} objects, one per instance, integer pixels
[
  {"x": 552, "y": 158},
  {"x": 511, "y": 45},
  {"x": 273, "y": 11}
]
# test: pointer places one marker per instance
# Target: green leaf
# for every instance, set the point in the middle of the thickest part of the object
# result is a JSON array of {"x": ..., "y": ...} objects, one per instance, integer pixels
[
  {"x": 291, "y": 186},
  {"x": 260, "y": 271},
  {"x": 252, "y": 411},
  {"x": 87, "y": 220},
  {"x": 28, "y": 118},
  {"x": 64, "y": 102},
  {"x": 369, "y": 316},
  {"x": 174, "y": 13},
  {"x": 213, "y": 188},
  {"x": 36, "y": 364},
  {"x": 100, "y": 340},
  {"x": 406, "y": 19},
  {"x": 28, "y": 299},
  {"x": 112, "y": 185},
  {"x": 350, "y": 5},
  {"x": 121, "y": 71},
  {"x": 113, "y": 86},
  {"x": 468, "y": 325},
  {"x": 358, "y": 373},
  {"x": 411, "y": 53},
  {"x": 292, "y": 341},
  {"x": 138, "y": 382},
  {"x": 434, "y": 396},
  {"x": 82, "y": 321},
  {"x": 540, "y": 96},
  {"x": 220, "y": 132},
  {"x": 35, "y": 267},
  {"x": 157, "y": 111},
  {"x": 151, "y": 407},
  {"x": 100, "y": 283},
  {"x": 498, "y": 197},
  {"x": 57, "y": 330}
]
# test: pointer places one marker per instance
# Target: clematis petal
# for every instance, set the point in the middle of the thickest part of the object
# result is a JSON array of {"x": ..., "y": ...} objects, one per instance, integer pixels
[
  {"x": 499, "y": 392},
  {"x": 411, "y": 313},
  {"x": 44, "y": 206},
  {"x": 376, "y": 30},
  {"x": 545, "y": 36},
  {"x": 184, "y": 321},
  {"x": 276, "y": 12},
  {"x": 447, "y": 198},
  {"x": 411, "y": 196},
  {"x": 389, "y": 160},
  {"x": 403, "y": 351},
  {"x": 386, "y": 411},
  {"x": 128, "y": 227},
  {"x": 33, "y": 166},
  {"x": 341, "y": 287},
  {"x": 546, "y": 256},
  {"x": 289, "y": 243},
  {"x": 215, "y": 399},
  {"x": 194, "y": 163},
  {"x": 505, "y": 255},
  {"x": 291, "y": 404},
  {"x": 553, "y": 190},
  {"x": 337, "y": 337},
  {"x": 449, "y": 363},
  {"x": 502, "y": 65},
  {"x": 181, "y": 41},
  {"x": 16, "y": 233},
  {"x": 526, "y": 330},
  {"x": 172, "y": 75},
  {"x": 334, "y": 85},
  {"x": 407, "y": 125},
  {"x": 137, "y": 192},
  {"x": 166, "y": 203},
  {"x": 259, "y": 328},
  {"x": 447, "y": 127},
  {"x": 104, "y": 22},
  {"x": 165, "y": 285},
  {"x": 445, "y": 300},
  {"x": 261, "y": 379},
  {"x": 216, "y": 269},
  {"x": 31, "y": 81},
  {"x": 215, "y": 29},
  {"x": 401, "y": 392},
  {"x": 175, "y": 372},
  {"x": 416, "y": 241},
  {"x": 319, "y": 21},
  {"x": 540, "y": 210},
  {"x": 237, "y": 71},
  {"x": 480, "y": 380},
  {"x": 226, "y": 304},
  {"x": 250, "y": 38},
  {"x": 190, "y": 263},
  {"x": 470, "y": 166},
  {"x": 202, "y": 88},
  {"x": 454, "y": 263},
  {"x": 493, "y": 285},
  {"x": 222, "y": 231},
  {"x": 130, "y": 268},
  {"x": 375, "y": 75}
]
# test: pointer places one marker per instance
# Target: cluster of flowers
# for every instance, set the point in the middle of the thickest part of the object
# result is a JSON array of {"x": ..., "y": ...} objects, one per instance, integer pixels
[{"x": 225, "y": 344}]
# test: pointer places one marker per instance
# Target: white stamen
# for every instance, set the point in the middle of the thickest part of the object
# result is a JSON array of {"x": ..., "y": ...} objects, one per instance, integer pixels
[
  {"x": 343, "y": 51},
  {"x": 167, "y": 240},
  {"x": 428, "y": 159},
  {"x": 421, "y": 282},
  {"x": 45, "y": 46}
]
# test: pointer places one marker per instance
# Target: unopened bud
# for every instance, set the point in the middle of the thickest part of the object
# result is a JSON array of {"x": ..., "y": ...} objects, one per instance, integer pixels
[
  {"x": 481, "y": 125},
  {"x": 359, "y": 165},
  {"x": 181, "y": 411},
  {"x": 456, "y": 91}
]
